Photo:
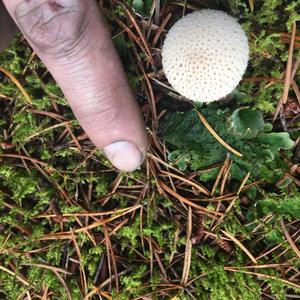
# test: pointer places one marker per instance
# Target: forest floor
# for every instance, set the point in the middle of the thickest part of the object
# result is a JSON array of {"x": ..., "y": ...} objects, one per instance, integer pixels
[{"x": 196, "y": 221}]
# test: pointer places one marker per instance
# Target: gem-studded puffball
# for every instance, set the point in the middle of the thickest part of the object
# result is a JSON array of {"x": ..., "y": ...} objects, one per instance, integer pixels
[{"x": 205, "y": 55}]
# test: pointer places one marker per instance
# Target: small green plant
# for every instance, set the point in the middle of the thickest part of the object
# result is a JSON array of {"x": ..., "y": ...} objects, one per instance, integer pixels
[{"x": 244, "y": 129}]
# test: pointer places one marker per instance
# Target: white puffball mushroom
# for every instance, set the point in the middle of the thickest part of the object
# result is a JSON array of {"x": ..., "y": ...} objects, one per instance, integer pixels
[{"x": 205, "y": 55}]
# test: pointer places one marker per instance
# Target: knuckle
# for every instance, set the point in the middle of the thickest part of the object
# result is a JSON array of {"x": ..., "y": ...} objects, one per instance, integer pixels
[{"x": 52, "y": 26}]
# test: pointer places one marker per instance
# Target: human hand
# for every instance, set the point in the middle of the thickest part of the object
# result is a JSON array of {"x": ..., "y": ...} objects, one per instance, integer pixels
[{"x": 73, "y": 41}]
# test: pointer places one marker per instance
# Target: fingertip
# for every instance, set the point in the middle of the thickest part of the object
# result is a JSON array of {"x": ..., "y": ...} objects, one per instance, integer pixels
[{"x": 124, "y": 155}]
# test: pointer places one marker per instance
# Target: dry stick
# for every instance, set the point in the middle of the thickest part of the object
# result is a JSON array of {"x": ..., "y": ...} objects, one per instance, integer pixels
[
  {"x": 289, "y": 239},
  {"x": 188, "y": 250},
  {"x": 287, "y": 80},
  {"x": 17, "y": 83},
  {"x": 216, "y": 136}
]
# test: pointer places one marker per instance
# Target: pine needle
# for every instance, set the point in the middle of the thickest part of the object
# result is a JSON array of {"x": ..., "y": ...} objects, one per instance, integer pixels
[
  {"x": 240, "y": 245},
  {"x": 188, "y": 250},
  {"x": 216, "y": 136},
  {"x": 17, "y": 83}
]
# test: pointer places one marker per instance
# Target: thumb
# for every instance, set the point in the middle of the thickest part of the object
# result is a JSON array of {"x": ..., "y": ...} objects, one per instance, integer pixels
[{"x": 72, "y": 39}]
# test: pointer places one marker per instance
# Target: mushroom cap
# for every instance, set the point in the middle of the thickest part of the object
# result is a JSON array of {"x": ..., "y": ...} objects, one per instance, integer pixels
[{"x": 205, "y": 55}]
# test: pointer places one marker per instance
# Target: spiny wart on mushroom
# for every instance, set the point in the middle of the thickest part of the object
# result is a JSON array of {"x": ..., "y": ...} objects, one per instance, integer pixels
[{"x": 205, "y": 55}]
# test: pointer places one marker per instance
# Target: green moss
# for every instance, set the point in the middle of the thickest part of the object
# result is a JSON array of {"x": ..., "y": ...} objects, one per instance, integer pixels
[{"x": 28, "y": 190}]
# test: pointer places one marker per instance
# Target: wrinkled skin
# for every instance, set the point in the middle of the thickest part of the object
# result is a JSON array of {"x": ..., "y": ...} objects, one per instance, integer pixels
[{"x": 72, "y": 39}]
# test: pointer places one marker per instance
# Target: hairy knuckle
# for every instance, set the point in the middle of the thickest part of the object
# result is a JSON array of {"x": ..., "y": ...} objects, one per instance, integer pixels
[{"x": 52, "y": 26}]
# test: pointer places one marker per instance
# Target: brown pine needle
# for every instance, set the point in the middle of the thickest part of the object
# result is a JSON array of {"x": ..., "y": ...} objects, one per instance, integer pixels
[
  {"x": 216, "y": 136},
  {"x": 33, "y": 160},
  {"x": 288, "y": 75},
  {"x": 243, "y": 183},
  {"x": 289, "y": 239},
  {"x": 185, "y": 201},
  {"x": 104, "y": 221},
  {"x": 287, "y": 282},
  {"x": 47, "y": 267},
  {"x": 262, "y": 266},
  {"x": 82, "y": 271},
  {"x": 195, "y": 185},
  {"x": 64, "y": 284},
  {"x": 85, "y": 214},
  {"x": 20, "y": 278},
  {"x": 47, "y": 129},
  {"x": 188, "y": 250},
  {"x": 17, "y": 83},
  {"x": 240, "y": 245},
  {"x": 140, "y": 33},
  {"x": 251, "y": 4},
  {"x": 287, "y": 81},
  {"x": 219, "y": 176},
  {"x": 296, "y": 90}
]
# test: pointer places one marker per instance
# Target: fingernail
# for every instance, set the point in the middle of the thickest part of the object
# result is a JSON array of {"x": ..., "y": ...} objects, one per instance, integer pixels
[{"x": 124, "y": 155}]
